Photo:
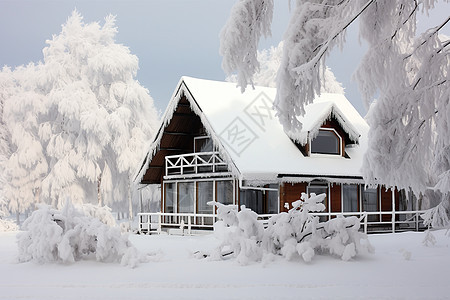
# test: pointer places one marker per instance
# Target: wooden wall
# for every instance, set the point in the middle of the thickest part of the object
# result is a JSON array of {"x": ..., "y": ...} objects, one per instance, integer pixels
[
  {"x": 386, "y": 201},
  {"x": 335, "y": 193},
  {"x": 291, "y": 192}
]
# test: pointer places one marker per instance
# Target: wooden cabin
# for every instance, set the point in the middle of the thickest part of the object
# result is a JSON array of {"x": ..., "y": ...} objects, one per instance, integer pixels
[{"x": 218, "y": 144}]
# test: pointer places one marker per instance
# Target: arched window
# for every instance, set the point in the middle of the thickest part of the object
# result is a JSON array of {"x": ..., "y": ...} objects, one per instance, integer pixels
[{"x": 326, "y": 142}]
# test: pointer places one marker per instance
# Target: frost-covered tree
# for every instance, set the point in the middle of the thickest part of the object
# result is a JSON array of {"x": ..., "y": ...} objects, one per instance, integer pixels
[
  {"x": 6, "y": 87},
  {"x": 269, "y": 63},
  {"x": 27, "y": 164},
  {"x": 407, "y": 71},
  {"x": 93, "y": 118}
]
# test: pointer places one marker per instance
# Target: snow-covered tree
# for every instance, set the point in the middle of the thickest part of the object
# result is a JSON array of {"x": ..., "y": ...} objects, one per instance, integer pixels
[
  {"x": 89, "y": 119},
  {"x": 6, "y": 87},
  {"x": 408, "y": 72},
  {"x": 27, "y": 164},
  {"x": 269, "y": 63}
]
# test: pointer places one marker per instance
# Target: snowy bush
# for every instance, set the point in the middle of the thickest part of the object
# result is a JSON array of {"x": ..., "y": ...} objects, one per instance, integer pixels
[
  {"x": 240, "y": 232},
  {"x": 71, "y": 234},
  {"x": 297, "y": 232},
  {"x": 103, "y": 213}
]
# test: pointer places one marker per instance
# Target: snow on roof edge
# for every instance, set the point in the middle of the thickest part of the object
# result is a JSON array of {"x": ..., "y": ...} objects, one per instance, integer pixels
[
  {"x": 167, "y": 117},
  {"x": 331, "y": 111}
]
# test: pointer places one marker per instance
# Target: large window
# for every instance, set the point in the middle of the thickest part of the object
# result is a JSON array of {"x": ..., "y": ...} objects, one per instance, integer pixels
[
  {"x": 326, "y": 142},
  {"x": 253, "y": 199},
  {"x": 205, "y": 193},
  {"x": 224, "y": 192},
  {"x": 193, "y": 196},
  {"x": 350, "y": 197},
  {"x": 186, "y": 197},
  {"x": 170, "y": 197},
  {"x": 370, "y": 202},
  {"x": 370, "y": 199},
  {"x": 272, "y": 199}
]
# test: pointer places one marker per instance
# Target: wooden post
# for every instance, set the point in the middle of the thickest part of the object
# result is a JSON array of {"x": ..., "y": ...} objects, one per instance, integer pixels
[
  {"x": 159, "y": 223},
  {"x": 365, "y": 222},
  {"x": 393, "y": 209}
]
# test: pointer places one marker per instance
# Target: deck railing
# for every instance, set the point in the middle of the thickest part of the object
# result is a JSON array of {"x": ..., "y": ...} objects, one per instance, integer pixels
[
  {"x": 194, "y": 163},
  {"x": 370, "y": 221}
]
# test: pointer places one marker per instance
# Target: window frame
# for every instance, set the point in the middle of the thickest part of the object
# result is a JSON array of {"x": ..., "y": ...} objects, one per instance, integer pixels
[
  {"x": 321, "y": 153},
  {"x": 203, "y": 137}
]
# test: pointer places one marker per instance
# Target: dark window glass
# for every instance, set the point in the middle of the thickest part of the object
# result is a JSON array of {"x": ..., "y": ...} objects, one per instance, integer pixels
[
  {"x": 203, "y": 145},
  {"x": 225, "y": 192},
  {"x": 204, "y": 195},
  {"x": 186, "y": 197},
  {"x": 350, "y": 194},
  {"x": 370, "y": 199},
  {"x": 253, "y": 199},
  {"x": 272, "y": 200},
  {"x": 326, "y": 142},
  {"x": 170, "y": 197},
  {"x": 370, "y": 203}
]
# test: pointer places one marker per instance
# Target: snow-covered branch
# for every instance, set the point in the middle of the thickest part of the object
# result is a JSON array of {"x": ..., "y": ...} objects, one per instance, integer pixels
[{"x": 249, "y": 20}]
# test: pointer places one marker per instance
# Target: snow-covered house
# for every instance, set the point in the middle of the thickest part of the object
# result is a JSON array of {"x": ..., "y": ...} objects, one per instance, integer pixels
[{"x": 216, "y": 143}]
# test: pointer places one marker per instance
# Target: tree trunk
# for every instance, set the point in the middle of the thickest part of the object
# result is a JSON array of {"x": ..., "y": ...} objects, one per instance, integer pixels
[
  {"x": 99, "y": 192},
  {"x": 130, "y": 203}
]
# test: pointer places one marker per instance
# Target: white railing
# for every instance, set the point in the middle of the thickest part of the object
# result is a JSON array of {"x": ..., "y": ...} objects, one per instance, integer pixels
[
  {"x": 154, "y": 222},
  {"x": 397, "y": 221},
  {"x": 394, "y": 221},
  {"x": 194, "y": 163}
]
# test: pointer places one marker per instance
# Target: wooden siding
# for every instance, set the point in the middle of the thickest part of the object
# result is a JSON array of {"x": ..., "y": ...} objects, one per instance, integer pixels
[
  {"x": 386, "y": 201},
  {"x": 178, "y": 138},
  {"x": 335, "y": 194},
  {"x": 290, "y": 192}
]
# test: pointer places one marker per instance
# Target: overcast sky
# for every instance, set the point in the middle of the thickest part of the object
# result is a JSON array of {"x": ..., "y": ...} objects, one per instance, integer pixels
[{"x": 171, "y": 38}]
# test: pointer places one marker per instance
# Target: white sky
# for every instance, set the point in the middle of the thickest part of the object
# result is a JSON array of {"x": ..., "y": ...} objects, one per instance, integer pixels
[{"x": 171, "y": 38}]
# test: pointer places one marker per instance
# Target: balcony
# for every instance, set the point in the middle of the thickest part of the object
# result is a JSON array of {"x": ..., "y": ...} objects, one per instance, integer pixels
[{"x": 194, "y": 164}]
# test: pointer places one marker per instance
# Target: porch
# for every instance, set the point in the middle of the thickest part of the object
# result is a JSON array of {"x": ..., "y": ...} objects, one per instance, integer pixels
[{"x": 191, "y": 223}]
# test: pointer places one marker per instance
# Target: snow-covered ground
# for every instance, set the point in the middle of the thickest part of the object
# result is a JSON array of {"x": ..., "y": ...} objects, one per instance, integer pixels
[{"x": 401, "y": 268}]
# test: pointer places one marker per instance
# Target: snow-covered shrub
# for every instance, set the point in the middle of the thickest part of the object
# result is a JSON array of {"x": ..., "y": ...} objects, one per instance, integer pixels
[
  {"x": 240, "y": 232},
  {"x": 69, "y": 235},
  {"x": 297, "y": 232},
  {"x": 102, "y": 213}
]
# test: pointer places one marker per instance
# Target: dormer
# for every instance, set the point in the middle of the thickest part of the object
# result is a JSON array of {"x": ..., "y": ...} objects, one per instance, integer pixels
[{"x": 329, "y": 134}]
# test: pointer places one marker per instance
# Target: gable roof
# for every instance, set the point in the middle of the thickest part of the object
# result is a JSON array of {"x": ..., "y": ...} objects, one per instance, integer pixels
[{"x": 250, "y": 138}]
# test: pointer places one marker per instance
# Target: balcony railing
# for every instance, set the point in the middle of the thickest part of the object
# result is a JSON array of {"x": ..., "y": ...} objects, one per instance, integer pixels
[
  {"x": 187, "y": 223},
  {"x": 195, "y": 163}
]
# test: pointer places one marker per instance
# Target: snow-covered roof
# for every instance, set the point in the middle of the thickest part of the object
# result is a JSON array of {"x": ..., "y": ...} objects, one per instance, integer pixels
[{"x": 253, "y": 142}]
